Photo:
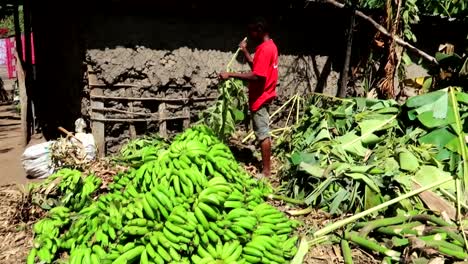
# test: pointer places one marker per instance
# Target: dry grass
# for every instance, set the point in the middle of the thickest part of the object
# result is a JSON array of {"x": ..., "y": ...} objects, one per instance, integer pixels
[{"x": 16, "y": 220}]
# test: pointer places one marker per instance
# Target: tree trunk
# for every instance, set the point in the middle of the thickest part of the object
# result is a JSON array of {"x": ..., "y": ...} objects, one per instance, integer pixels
[
  {"x": 387, "y": 84},
  {"x": 347, "y": 60}
]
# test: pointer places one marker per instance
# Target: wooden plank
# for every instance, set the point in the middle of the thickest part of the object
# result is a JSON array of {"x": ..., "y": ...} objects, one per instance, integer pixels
[
  {"x": 97, "y": 126},
  {"x": 186, "y": 112},
  {"x": 160, "y": 99},
  {"x": 162, "y": 121},
  {"x": 23, "y": 100},
  {"x": 121, "y": 111},
  {"x": 128, "y": 120},
  {"x": 113, "y": 85},
  {"x": 129, "y": 93}
]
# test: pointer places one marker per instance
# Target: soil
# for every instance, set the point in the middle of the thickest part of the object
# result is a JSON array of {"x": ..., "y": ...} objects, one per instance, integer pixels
[{"x": 11, "y": 146}]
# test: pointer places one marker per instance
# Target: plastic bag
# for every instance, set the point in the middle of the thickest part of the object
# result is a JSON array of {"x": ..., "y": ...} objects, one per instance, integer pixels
[
  {"x": 37, "y": 162},
  {"x": 88, "y": 144}
]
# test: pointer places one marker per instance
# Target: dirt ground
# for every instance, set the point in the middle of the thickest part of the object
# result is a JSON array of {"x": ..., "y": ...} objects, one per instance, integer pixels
[{"x": 11, "y": 147}]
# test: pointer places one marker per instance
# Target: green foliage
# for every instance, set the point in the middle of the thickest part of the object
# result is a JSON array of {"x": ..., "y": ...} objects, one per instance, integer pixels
[
  {"x": 351, "y": 155},
  {"x": 228, "y": 110},
  {"x": 445, "y": 8},
  {"x": 7, "y": 20}
]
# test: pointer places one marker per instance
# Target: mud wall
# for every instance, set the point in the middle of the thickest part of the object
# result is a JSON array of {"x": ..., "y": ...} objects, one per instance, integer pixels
[{"x": 168, "y": 55}]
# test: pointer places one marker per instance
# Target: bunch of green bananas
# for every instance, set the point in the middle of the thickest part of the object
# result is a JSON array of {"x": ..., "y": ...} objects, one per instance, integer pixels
[
  {"x": 141, "y": 150},
  {"x": 193, "y": 203}
]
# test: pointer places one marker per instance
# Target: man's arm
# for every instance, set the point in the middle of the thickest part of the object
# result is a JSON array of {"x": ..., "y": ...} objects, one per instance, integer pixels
[
  {"x": 243, "y": 47},
  {"x": 248, "y": 76}
]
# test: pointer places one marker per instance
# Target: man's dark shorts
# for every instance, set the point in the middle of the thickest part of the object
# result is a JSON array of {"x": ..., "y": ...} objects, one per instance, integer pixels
[{"x": 261, "y": 123}]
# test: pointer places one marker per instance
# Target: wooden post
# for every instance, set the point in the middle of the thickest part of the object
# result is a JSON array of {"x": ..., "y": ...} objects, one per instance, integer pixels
[
  {"x": 29, "y": 75},
  {"x": 186, "y": 111},
  {"x": 129, "y": 93},
  {"x": 97, "y": 127},
  {"x": 349, "y": 47},
  {"x": 19, "y": 44},
  {"x": 23, "y": 99},
  {"x": 162, "y": 117}
]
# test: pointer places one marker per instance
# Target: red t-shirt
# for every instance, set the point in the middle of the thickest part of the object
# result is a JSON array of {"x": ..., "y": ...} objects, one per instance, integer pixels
[{"x": 265, "y": 65}]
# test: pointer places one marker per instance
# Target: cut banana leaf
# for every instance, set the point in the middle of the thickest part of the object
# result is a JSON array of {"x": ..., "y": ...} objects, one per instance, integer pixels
[
  {"x": 371, "y": 198},
  {"x": 438, "y": 138},
  {"x": 371, "y": 139},
  {"x": 371, "y": 126},
  {"x": 352, "y": 144},
  {"x": 314, "y": 170},
  {"x": 427, "y": 175},
  {"x": 425, "y": 99},
  {"x": 429, "y": 120},
  {"x": 368, "y": 181},
  {"x": 408, "y": 161},
  {"x": 299, "y": 157},
  {"x": 454, "y": 146}
]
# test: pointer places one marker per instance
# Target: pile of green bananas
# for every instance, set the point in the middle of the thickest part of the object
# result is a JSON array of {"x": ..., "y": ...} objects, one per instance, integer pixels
[
  {"x": 192, "y": 204},
  {"x": 141, "y": 150},
  {"x": 67, "y": 187}
]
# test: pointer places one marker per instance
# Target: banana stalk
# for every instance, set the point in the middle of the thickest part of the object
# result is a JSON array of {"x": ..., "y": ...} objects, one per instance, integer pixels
[
  {"x": 328, "y": 229},
  {"x": 381, "y": 223},
  {"x": 346, "y": 251},
  {"x": 365, "y": 243}
]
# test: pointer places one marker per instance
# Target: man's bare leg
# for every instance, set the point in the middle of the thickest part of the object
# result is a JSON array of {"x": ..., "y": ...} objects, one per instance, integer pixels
[{"x": 266, "y": 154}]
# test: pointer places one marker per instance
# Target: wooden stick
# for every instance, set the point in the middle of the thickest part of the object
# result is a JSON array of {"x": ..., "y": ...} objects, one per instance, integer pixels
[
  {"x": 129, "y": 92},
  {"x": 97, "y": 128},
  {"x": 68, "y": 133},
  {"x": 161, "y": 99},
  {"x": 380, "y": 28},
  {"x": 121, "y": 111},
  {"x": 123, "y": 120},
  {"x": 112, "y": 85}
]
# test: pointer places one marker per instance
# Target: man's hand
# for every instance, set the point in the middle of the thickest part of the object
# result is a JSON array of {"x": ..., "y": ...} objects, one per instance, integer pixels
[
  {"x": 243, "y": 45},
  {"x": 224, "y": 75}
]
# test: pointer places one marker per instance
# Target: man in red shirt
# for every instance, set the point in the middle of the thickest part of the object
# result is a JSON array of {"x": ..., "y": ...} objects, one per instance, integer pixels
[{"x": 262, "y": 84}]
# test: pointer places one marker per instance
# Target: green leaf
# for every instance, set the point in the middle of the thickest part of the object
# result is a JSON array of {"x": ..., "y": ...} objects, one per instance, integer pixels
[
  {"x": 427, "y": 84},
  {"x": 462, "y": 97},
  {"x": 440, "y": 107},
  {"x": 454, "y": 145},
  {"x": 371, "y": 126},
  {"x": 238, "y": 115},
  {"x": 365, "y": 179},
  {"x": 404, "y": 180},
  {"x": 371, "y": 198},
  {"x": 425, "y": 99},
  {"x": 408, "y": 161},
  {"x": 430, "y": 174},
  {"x": 391, "y": 165},
  {"x": 438, "y": 138},
  {"x": 340, "y": 197},
  {"x": 298, "y": 157},
  {"x": 371, "y": 139},
  {"x": 313, "y": 170},
  {"x": 352, "y": 143},
  {"x": 406, "y": 59},
  {"x": 443, "y": 154}
]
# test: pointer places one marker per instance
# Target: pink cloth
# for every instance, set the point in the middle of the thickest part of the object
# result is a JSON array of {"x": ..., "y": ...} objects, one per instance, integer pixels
[{"x": 10, "y": 54}]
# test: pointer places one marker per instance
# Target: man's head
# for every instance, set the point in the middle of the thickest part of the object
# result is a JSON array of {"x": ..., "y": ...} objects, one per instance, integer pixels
[{"x": 258, "y": 29}]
